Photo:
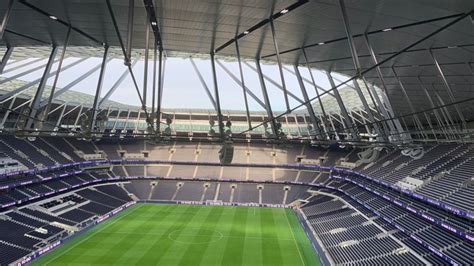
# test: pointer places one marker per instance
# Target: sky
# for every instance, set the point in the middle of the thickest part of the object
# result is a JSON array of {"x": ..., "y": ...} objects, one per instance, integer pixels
[{"x": 182, "y": 87}]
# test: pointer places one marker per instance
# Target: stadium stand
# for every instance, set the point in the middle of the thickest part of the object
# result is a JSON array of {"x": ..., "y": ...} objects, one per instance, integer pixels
[{"x": 346, "y": 216}]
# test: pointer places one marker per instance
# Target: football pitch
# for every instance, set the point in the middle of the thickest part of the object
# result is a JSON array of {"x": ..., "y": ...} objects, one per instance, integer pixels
[{"x": 170, "y": 234}]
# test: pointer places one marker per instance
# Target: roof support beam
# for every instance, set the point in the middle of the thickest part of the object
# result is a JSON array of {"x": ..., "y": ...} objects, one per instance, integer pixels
[
  {"x": 26, "y": 72},
  {"x": 131, "y": 11},
  {"x": 275, "y": 83},
  {"x": 127, "y": 59},
  {"x": 27, "y": 37},
  {"x": 262, "y": 23},
  {"x": 150, "y": 9},
  {"x": 79, "y": 114},
  {"x": 410, "y": 104},
  {"x": 60, "y": 118},
  {"x": 432, "y": 105},
  {"x": 316, "y": 87},
  {"x": 448, "y": 89},
  {"x": 98, "y": 91},
  {"x": 370, "y": 33},
  {"x": 6, "y": 17},
  {"x": 55, "y": 83},
  {"x": 282, "y": 76},
  {"x": 240, "y": 83},
  {"x": 153, "y": 89},
  {"x": 161, "y": 76},
  {"x": 447, "y": 117},
  {"x": 349, "y": 128},
  {"x": 147, "y": 54},
  {"x": 385, "y": 60},
  {"x": 7, "y": 112},
  {"x": 115, "y": 85},
  {"x": 203, "y": 83},
  {"x": 22, "y": 65},
  {"x": 74, "y": 82},
  {"x": 216, "y": 94},
  {"x": 5, "y": 58},
  {"x": 268, "y": 107},
  {"x": 60, "y": 21},
  {"x": 309, "y": 106},
  {"x": 357, "y": 65},
  {"x": 39, "y": 92},
  {"x": 397, "y": 127}
]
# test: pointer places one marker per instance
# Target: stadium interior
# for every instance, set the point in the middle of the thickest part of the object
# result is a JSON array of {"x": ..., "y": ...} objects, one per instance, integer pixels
[{"x": 355, "y": 116}]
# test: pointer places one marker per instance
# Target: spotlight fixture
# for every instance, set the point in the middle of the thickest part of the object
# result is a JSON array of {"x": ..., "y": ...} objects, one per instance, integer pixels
[
  {"x": 153, "y": 23},
  {"x": 320, "y": 43},
  {"x": 387, "y": 29},
  {"x": 246, "y": 32},
  {"x": 284, "y": 11},
  {"x": 53, "y": 17}
]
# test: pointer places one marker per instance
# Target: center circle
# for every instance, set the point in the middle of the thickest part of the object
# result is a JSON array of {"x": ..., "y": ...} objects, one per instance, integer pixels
[{"x": 195, "y": 236}]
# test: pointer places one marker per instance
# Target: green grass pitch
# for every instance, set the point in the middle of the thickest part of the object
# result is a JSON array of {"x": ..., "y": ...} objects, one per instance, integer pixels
[{"x": 170, "y": 234}]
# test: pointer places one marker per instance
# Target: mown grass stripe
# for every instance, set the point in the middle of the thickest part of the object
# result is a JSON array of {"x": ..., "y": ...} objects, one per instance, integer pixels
[
  {"x": 205, "y": 227},
  {"x": 73, "y": 243},
  {"x": 134, "y": 237},
  {"x": 232, "y": 247},
  {"x": 271, "y": 249},
  {"x": 159, "y": 248},
  {"x": 302, "y": 241}
]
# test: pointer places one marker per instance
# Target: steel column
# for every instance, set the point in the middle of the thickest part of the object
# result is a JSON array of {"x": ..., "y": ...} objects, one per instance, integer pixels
[
  {"x": 216, "y": 94},
  {"x": 357, "y": 65},
  {"x": 382, "y": 79},
  {"x": 153, "y": 96},
  {"x": 447, "y": 116},
  {"x": 313, "y": 81},
  {"x": 98, "y": 90},
  {"x": 131, "y": 11},
  {"x": 410, "y": 104},
  {"x": 161, "y": 72},
  {"x": 5, "y": 58},
  {"x": 448, "y": 88},
  {"x": 268, "y": 107},
  {"x": 39, "y": 92},
  {"x": 147, "y": 52},
  {"x": 430, "y": 100},
  {"x": 56, "y": 78},
  {"x": 242, "y": 81},
  {"x": 348, "y": 125},
  {"x": 6, "y": 16},
  {"x": 282, "y": 76},
  {"x": 309, "y": 106},
  {"x": 127, "y": 60}
]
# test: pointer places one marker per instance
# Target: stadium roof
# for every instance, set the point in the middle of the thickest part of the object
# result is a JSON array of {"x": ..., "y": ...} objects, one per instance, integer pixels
[
  {"x": 198, "y": 26},
  {"x": 420, "y": 45}
]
